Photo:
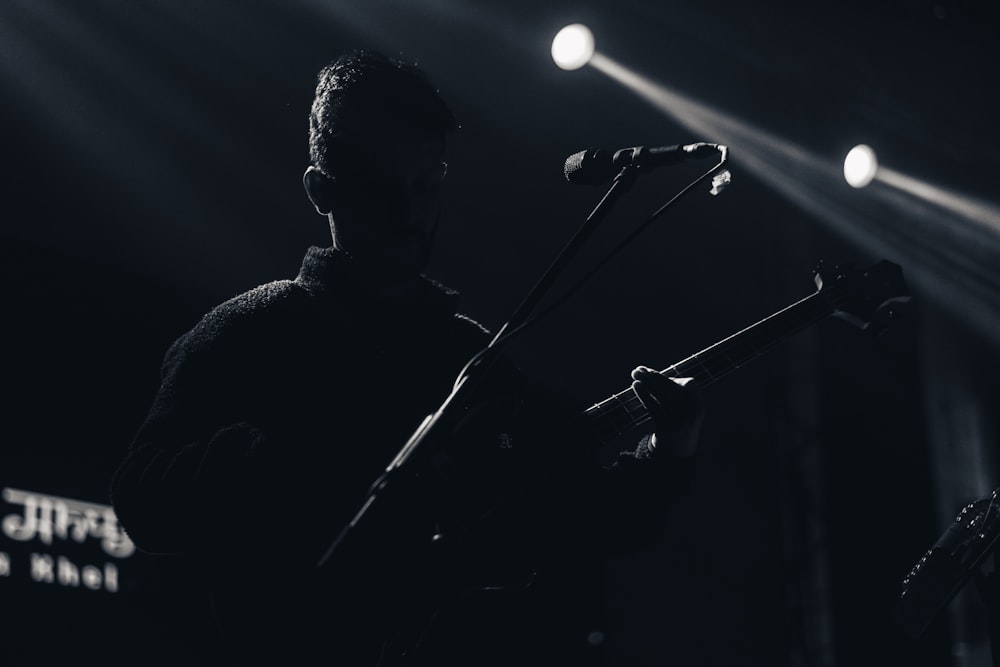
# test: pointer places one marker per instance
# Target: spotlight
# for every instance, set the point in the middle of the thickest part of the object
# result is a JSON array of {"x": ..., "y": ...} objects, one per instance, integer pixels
[
  {"x": 860, "y": 166},
  {"x": 573, "y": 46}
]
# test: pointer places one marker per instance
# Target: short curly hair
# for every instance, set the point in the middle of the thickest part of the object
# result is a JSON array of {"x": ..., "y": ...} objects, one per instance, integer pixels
[{"x": 364, "y": 92}]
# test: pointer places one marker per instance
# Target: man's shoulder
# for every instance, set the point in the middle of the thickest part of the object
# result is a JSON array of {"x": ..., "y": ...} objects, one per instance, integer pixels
[
  {"x": 256, "y": 313},
  {"x": 262, "y": 302}
]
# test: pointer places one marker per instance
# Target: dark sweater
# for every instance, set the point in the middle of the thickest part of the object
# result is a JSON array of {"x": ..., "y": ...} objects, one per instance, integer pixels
[{"x": 278, "y": 410}]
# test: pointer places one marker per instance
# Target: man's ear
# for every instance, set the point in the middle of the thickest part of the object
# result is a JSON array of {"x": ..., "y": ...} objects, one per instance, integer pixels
[{"x": 320, "y": 188}]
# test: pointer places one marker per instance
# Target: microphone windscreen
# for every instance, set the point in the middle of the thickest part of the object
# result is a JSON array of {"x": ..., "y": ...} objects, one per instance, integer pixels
[{"x": 589, "y": 167}]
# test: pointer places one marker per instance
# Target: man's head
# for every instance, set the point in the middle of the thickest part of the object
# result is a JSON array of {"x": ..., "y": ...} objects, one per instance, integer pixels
[{"x": 376, "y": 144}]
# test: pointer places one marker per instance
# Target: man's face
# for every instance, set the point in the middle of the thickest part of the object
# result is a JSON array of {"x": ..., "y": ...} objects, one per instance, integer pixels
[{"x": 389, "y": 201}]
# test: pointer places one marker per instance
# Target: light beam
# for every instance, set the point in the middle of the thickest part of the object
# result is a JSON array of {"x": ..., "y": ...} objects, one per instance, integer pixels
[{"x": 947, "y": 243}]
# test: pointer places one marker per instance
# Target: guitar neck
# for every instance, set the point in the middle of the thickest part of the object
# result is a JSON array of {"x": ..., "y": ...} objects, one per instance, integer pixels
[{"x": 622, "y": 411}]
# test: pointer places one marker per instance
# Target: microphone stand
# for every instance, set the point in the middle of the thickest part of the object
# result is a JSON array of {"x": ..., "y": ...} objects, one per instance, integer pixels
[{"x": 421, "y": 446}]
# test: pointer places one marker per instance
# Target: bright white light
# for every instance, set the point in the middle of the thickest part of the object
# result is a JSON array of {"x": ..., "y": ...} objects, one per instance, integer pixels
[
  {"x": 860, "y": 166},
  {"x": 573, "y": 46}
]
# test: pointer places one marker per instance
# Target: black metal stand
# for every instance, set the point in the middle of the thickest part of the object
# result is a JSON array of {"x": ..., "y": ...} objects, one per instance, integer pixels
[{"x": 421, "y": 444}]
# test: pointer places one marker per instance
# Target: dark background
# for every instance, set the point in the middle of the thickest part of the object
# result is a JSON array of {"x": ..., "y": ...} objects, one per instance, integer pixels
[{"x": 152, "y": 153}]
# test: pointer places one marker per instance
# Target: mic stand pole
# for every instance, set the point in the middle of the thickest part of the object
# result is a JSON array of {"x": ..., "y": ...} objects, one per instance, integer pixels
[{"x": 425, "y": 440}]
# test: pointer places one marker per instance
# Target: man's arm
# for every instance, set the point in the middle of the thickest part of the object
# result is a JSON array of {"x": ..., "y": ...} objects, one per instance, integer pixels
[
  {"x": 197, "y": 462},
  {"x": 191, "y": 456}
]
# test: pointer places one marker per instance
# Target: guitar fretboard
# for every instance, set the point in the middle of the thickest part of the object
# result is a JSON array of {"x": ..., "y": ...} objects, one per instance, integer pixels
[{"x": 622, "y": 411}]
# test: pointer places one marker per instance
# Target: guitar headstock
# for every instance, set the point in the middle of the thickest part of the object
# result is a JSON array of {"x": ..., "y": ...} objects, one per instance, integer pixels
[{"x": 869, "y": 298}]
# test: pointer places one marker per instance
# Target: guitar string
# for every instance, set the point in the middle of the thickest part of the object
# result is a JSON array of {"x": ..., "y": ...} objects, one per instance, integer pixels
[{"x": 602, "y": 409}]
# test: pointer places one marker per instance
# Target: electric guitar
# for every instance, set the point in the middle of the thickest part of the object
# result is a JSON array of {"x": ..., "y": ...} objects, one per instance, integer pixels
[{"x": 868, "y": 298}]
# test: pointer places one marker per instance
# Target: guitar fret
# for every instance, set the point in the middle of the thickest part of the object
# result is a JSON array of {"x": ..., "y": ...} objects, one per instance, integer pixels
[
  {"x": 628, "y": 420},
  {"x": 704, "y": 368},
  {"x": 624, "y": 406}
]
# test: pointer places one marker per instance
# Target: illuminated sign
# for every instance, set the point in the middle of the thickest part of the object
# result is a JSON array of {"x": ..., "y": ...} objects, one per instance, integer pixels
[{"x": 51, "y": 520}]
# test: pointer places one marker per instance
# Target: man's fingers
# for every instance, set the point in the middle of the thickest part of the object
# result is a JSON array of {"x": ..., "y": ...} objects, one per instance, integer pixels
[
  {"x": 656, "y": 380},
  {"x": 662, "y": 394},
  {"x": 676, "y": 408},
  {"x": 639, "y": 372}
]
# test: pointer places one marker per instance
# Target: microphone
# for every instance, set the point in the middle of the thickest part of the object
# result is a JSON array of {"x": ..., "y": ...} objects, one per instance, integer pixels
[{"x": 594, "y": 165}]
